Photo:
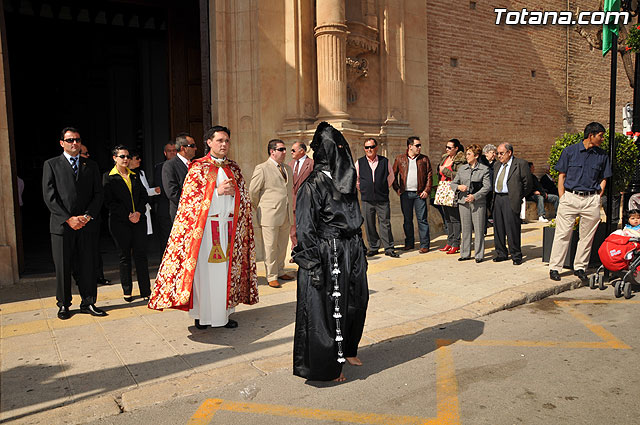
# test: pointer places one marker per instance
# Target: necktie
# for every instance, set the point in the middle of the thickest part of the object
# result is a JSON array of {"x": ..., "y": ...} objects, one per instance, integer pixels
[
  {"x": 500, "y": 183},
  {"x": 295, "y": 171},
  {"x": 74, "y": 165},
  {"x": 284, "y": 175}
]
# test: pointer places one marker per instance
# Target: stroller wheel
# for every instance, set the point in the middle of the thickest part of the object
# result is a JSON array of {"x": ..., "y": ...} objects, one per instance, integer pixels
[
  {"x": 601, "y": 284},
  {"x": 617, "y": 289},
  {"x": 592, "y": 281},
  {"x": 627, "y": 290}
]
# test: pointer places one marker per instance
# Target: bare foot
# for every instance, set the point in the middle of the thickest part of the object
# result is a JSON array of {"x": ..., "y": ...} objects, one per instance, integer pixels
[
  {"x": 354, "y": 361},
  {"x": 340, "y": 378}
]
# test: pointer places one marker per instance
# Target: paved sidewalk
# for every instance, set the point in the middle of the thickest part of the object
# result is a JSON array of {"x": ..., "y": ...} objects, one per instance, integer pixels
[{"x": 85, "y": 368}]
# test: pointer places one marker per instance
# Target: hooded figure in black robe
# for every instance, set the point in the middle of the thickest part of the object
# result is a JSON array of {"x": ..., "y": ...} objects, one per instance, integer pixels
[{"x": 332, "y": 275}]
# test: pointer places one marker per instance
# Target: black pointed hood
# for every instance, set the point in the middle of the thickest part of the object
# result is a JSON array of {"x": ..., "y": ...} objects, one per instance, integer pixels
[{"x": 331, "y": 153}]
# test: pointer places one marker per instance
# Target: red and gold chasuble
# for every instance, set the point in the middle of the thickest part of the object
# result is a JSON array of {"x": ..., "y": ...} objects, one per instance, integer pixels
[{"x": 174, "y": 282}]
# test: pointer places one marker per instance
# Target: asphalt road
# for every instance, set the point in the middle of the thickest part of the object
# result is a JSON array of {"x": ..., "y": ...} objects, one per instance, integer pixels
[{"x": 569, "y": 359}]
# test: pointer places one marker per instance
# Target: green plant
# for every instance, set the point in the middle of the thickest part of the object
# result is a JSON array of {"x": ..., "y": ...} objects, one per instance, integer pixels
[
  {"x": 627, "y": 154},
  {"x": 633, "y": 39}
]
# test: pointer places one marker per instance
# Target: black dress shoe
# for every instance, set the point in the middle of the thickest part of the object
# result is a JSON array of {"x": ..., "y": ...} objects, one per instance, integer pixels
[
  {"x": 103, "y": 281},
  {"x": 391, "y": 253},
  {"x": 64, "y": 313},
  {"x": 581, "y": 274},
  {"x": 500, "y": 259},
  {"x": 464, "y": 258},
  {"x": 199, "y": 326},
  {"x": 554, "y": 275},
  {"x": 517, "y": 262},
  {"x": 231, "y": 324},
  {"x": 372, "y": 252},
  {"x": 479, "y": 260},
  {"x": 128, "y": 298},
  {"x": 93, "y": 310},
  {"x": 408, "y": 247}
]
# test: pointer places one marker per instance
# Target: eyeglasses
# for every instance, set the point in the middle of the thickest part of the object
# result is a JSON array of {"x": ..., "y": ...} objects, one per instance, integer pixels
[
  {"x": 191, "y": 145},
  {"x": 502, "y": 153},
  {"x": 417, "y": 145},
  {"x": 370, "y": 147},
  {"x": 76, "y": 140},
  {"x": 449, "y": 147},
  {"x": 123, "y": 156},
  {"x": 281, "y": 149}
]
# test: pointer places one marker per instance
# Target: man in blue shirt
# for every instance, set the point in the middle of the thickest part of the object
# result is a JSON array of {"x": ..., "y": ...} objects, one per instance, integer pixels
[{"x": 584, "y": 168}]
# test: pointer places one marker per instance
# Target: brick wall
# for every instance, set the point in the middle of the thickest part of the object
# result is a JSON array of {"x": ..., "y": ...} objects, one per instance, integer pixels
[{"x": 521, "y": 84}]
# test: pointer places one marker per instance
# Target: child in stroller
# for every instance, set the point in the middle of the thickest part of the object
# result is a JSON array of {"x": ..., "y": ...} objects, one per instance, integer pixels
[{"x": 620, "y": 254}]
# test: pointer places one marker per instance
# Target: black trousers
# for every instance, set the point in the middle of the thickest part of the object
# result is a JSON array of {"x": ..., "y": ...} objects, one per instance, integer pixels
[
  {"x": 506, "y": 223},
  {"x": 128, "y": 237},
  {"x": 162, "y": 224},
  {"x": 73, "y": 250},
  {"x": 454, "y": 228}
]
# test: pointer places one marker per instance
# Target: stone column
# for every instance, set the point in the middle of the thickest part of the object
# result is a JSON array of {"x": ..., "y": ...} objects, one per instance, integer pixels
[{"x": 331, "y": 47}]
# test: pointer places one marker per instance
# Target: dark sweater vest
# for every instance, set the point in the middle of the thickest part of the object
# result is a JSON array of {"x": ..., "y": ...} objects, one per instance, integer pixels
[{"x": 371, "y": 191}]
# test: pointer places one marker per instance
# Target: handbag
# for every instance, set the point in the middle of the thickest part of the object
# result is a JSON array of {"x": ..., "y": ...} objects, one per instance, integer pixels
[
  {"x": 444, "y": 194},
  {"x": 475, "y": 187}
]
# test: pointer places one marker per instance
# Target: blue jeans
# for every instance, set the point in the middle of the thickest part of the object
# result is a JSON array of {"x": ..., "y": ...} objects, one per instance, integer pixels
[{"x": 408, "y": 202}]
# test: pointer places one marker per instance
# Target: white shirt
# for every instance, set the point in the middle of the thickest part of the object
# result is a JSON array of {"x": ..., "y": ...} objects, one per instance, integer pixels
[
  {"x": 77, "y": 157},
  {"x": 183, "y": 159},
  {"x": 506, "y": 174},
  {"x": 412, "y": 175},
  {"x": 300, "y": 162}
]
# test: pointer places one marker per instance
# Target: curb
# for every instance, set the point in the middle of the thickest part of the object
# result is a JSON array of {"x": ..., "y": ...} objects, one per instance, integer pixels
[{"x": 131, "y": 399}]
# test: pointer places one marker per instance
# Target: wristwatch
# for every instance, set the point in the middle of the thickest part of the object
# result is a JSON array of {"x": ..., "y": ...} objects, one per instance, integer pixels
[{"x": 88, "y": 217}]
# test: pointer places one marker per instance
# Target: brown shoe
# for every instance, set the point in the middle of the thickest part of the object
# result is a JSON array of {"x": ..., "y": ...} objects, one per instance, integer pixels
[
  {"x": 286, "y": 277},
  {"x": 424, "y": 250},
  {"x": 275, "y": 284}
]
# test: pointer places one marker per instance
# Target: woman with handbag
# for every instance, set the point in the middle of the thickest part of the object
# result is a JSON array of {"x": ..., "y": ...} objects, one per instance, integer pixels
[
  {"x": 125, "y": 197},
  {"x": 448, "y": 167},
  {"x": 472, "y": 184}
]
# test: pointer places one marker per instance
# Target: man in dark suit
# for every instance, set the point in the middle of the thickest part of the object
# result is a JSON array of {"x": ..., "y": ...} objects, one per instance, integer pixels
[
  {"x": 73, "y": 193},
  {"x": 175, "y": 170},
  {"x": 162, "y": 219},
  {"x": 302, "y": 166},
  {"x": 511, "y": 183}
]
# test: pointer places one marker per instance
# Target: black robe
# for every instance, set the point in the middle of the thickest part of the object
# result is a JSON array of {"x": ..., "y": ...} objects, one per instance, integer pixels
[{"x": 324, "y": 215}]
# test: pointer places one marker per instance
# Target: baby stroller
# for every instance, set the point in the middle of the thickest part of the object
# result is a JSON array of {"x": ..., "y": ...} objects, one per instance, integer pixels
[{"x": 621, "y": 256}]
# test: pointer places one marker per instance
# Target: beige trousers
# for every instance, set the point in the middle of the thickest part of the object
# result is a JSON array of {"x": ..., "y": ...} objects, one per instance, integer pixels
[
  {"x": 275, "y": 241},
  {"x": 572, "y": 206}
]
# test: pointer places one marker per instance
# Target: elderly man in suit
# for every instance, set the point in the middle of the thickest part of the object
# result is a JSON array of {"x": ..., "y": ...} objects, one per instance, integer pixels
[
  {"x": 302, "y": 166},
  {"x": 175, "y": 170},
  {"x": 73, "y": 193},
  {"x": 161, "y": 216},
  {"x": 271, "y": 195},
  {"x": 511, "y": 183}
]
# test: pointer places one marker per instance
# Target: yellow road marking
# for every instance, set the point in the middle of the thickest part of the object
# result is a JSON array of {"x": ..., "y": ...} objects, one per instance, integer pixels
[
  {"x": 208, "y": 409},
  {"x": 605, "y": 335},
  {"x": 446, "y": 386},
  {"x": 448, "y": 411}
]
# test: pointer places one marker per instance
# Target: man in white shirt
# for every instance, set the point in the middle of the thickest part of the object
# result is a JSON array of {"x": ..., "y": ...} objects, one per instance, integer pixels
[{"x": 302, "y": 166}]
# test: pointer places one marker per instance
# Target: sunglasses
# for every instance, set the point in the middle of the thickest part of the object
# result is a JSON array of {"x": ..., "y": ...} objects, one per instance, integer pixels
[
  {"x": 417, "y": 145},
  {"x": 76, "y": 140},
  {"x": 449, "y": 148},
  {"x": 281, "y": 149},
  {"x": 370, "y": 147},
  {"x": 123, "y": 156},
  {"x": 501, "y": 153},
  {"x": 192, "y": 145}
]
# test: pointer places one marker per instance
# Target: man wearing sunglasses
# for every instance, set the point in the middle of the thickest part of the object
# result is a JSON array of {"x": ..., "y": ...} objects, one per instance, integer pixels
[
  {"x": 271, "y": 191},
  {"x": 72, "y": 191},
  {"x": 413, "y": 180},
  {"x": 375, "y": 176},
  {"x": 302, "y": 166},
  {"x": 175, "y": 170}
]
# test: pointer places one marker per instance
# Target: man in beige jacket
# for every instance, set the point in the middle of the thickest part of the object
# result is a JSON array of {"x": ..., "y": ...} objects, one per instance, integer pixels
[{"x": 271, "y": 196}]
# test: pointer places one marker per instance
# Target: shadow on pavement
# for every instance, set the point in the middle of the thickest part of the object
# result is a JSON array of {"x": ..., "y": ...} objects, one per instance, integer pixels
[{"x": 388, "y": 354}]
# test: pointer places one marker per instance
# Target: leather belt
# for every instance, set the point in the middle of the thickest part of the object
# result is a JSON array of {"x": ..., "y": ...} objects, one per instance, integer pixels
[{"x": 582, "y": 192}]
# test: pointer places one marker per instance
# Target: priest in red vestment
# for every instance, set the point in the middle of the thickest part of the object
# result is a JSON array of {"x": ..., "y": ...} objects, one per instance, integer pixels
[{"x": 209, "y": 264}]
